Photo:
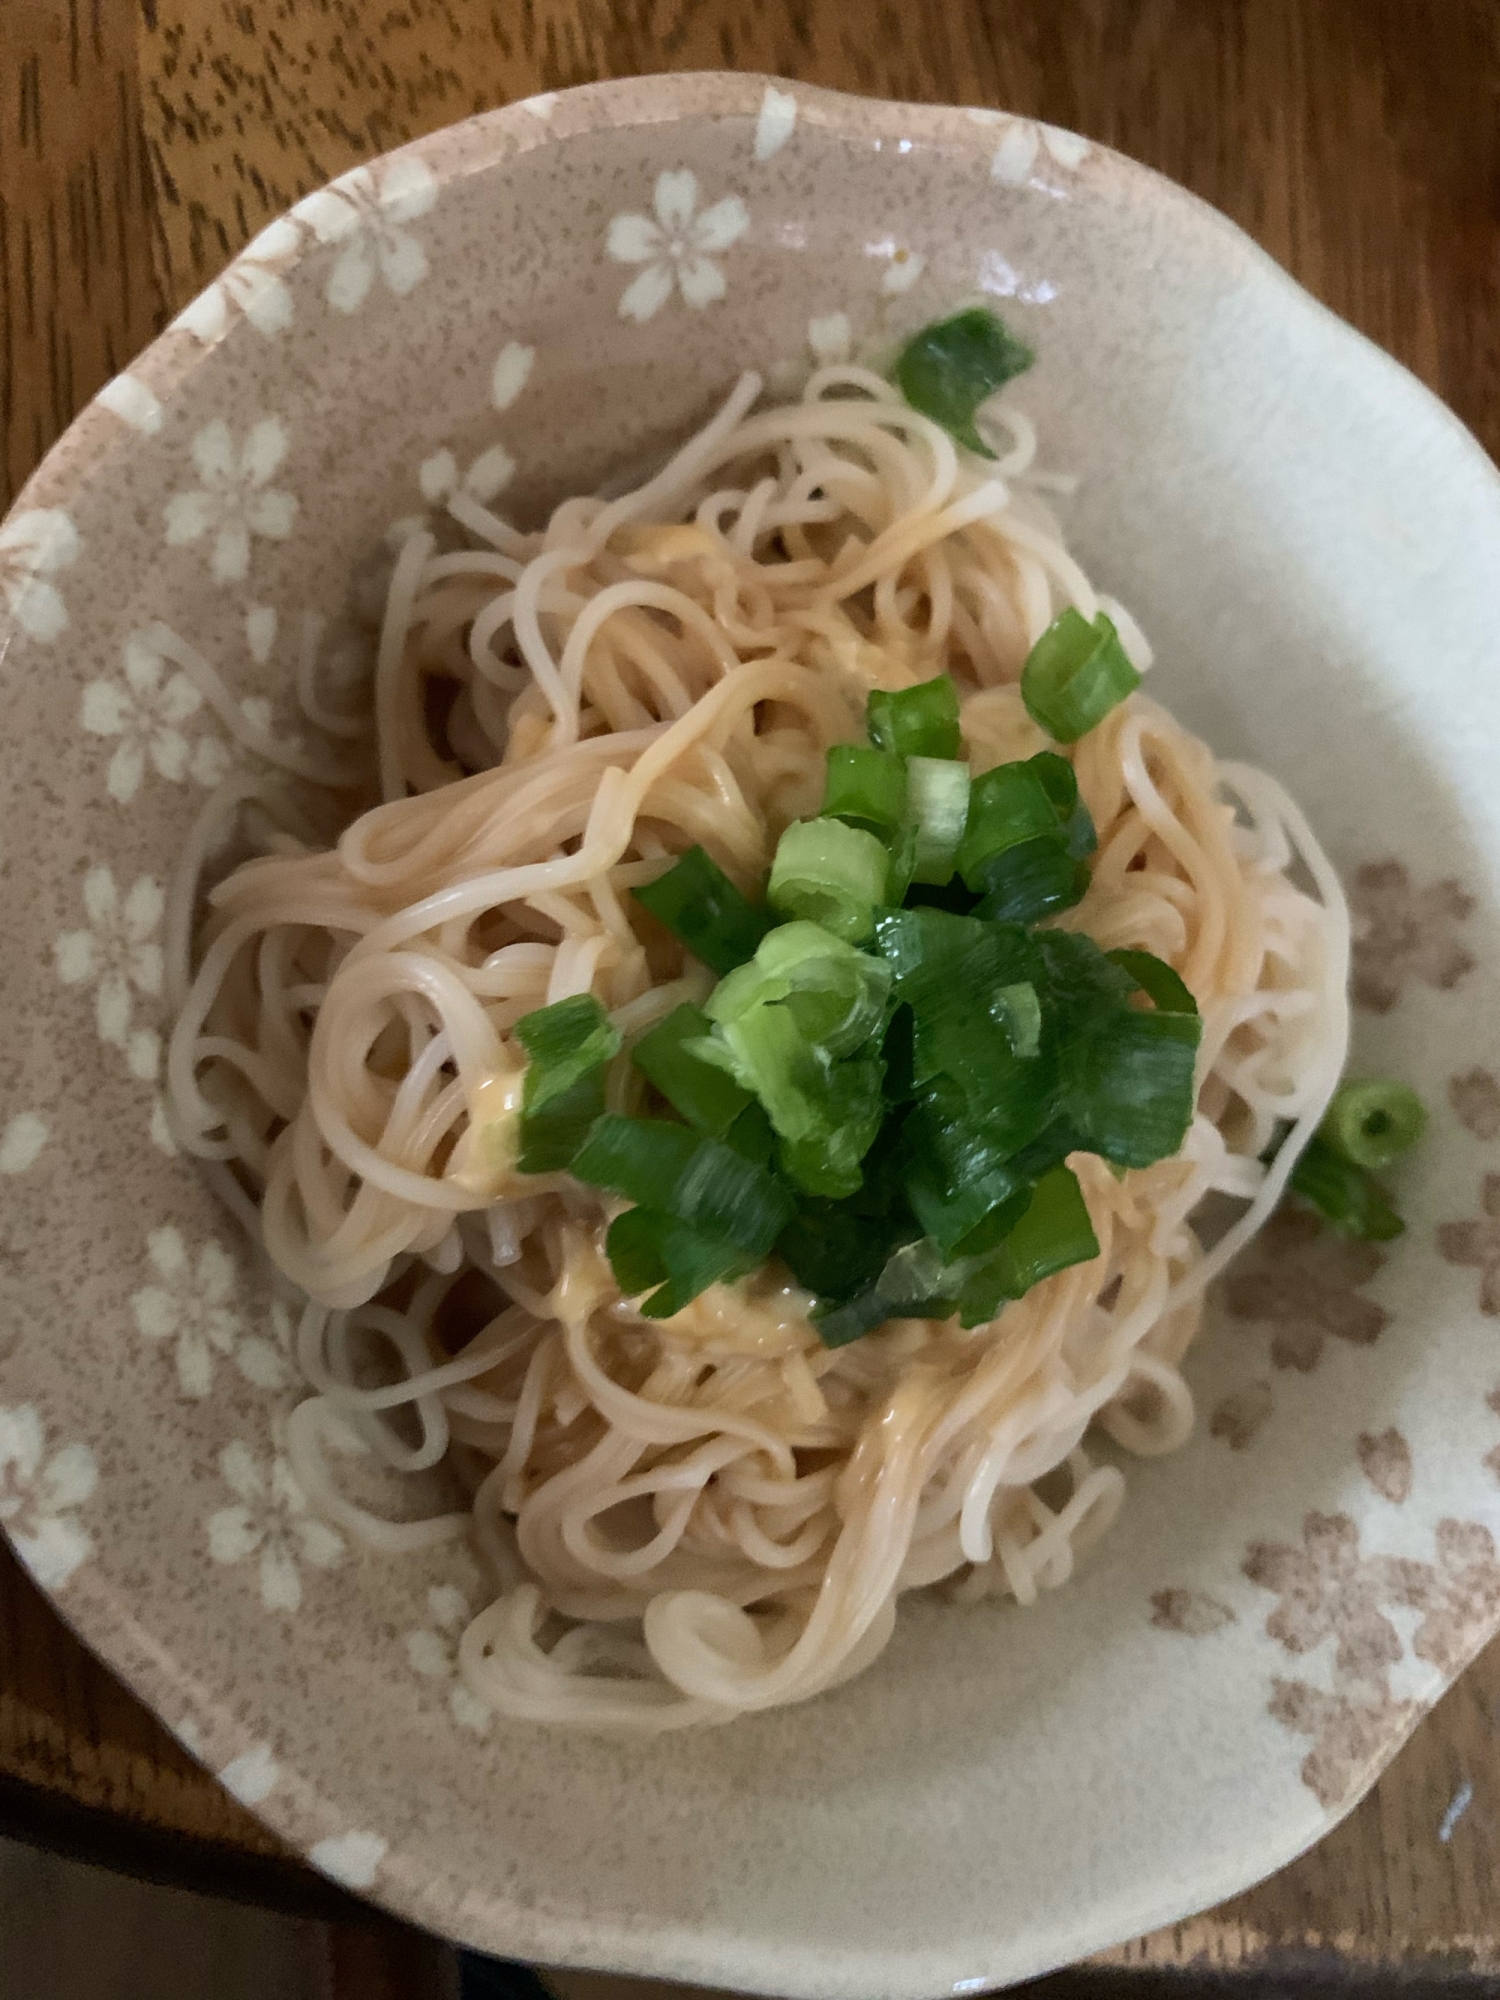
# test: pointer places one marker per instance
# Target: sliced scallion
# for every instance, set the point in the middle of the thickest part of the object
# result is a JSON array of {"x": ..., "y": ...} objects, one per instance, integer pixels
[
  {"x": 699, "y": 1181},
  {"x": 829, "y": 874},
  {"x": 1075, "y": 674},
  {"x": 920, "y": 721},
  {"x": 937, "y": 802},
  {"x": 569, "y": 1046},
  {"x": 699, "y": 904},
  {"x": 948, "y": 369},
  {"x": 648, "y": 1248},
  {"x": 866, "y": 787},
  {"x": 705, "y": 1094},
  {"x": 1372, "y": 1124},
  {"x": 1343, "y": 1193}
]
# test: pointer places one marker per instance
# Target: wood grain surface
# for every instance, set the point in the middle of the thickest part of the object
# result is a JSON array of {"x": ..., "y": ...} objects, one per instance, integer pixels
[{"x": 1357, "y": 140}]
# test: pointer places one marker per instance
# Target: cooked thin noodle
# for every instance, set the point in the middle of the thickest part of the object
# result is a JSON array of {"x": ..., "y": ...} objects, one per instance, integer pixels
[{"x": 691, "y": 1519}]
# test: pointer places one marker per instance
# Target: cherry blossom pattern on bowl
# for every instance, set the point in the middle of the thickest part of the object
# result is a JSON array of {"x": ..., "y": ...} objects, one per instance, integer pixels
[{"x": 517, "y": 308}]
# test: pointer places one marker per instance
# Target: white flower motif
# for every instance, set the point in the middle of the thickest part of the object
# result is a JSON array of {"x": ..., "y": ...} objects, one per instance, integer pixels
[
  {"x": 366, "y": 214},
  {"x": 254, "y": 283},
  {"x": 677, "y": 247},
  {"x": 252, "y": 1776},
  {"x": 1024, "y": 140},
  {"x": 490, "y": 473},
  {"x": 22, "y": 1141},
  {"x": 776, "y": 123},
  {"x": 433, "y": 1652},
  {"x": 830, "y": 337},
  {"x": 145, "y": 711},
  {"x": 271, "y": 1520},
  {"x": 903, "y": 271},
  {"x": 192, "y": 1306},
  {"x": 118, "y": 954},
  {"x": 133, "y": 401},
  {"x": 351, "y": 1858},
  {"x": 234, "y": 502},
  {"x": 512, "y": 372},
  {"x": 34, "y": 546},
  {"x": 39, "y": 1495}
]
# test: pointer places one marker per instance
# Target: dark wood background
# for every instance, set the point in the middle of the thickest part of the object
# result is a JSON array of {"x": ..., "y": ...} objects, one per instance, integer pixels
[{"x": 1357, "y": 140}]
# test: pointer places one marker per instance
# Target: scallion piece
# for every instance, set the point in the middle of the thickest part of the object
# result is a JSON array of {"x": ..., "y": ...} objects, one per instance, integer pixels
[
  {"x": 937, "y": 803},
  {"x": 648, "y": 1248},
  {"x": 1127, "y": 1084},
  {"x": 569, "y": 1046},
  {"x": 699, "y": 904},
  {"x": 564, "y": 1042},
  {"x": 1052, "y": 1235},
  {"x": 831, "y": 875},
  {"x": 705, "y": 1094},
  {"x": 1075, "y": 674},
  {"x": 1344, "y": 1194},
  {"x": 947, "y": 370},
  {"x": 865, "y": 787},
  {"x": 1032, "y": 880},
  {"x": 919, "y": 721},
  {"x": 699, "y": 1181},
  {"x": 1016, "y": 805},
  {"x": 1156, "y": 979},
  {"x": 1372, "y": 1124}
]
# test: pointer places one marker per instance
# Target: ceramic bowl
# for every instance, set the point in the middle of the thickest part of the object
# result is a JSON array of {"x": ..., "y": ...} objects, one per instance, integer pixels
[{"x": 520, "y": 306}]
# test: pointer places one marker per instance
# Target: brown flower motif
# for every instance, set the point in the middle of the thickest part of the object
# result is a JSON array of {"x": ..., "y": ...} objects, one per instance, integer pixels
[
  {"x": 1349, "y": 1735},
  {"x": 1401, "y": 930},
  {"x": 1477, "y": 1244},
  {"x": 1385, "y": 1460},
  {"x": 1192, "y": 1612},
  {"x": 1329, "y": 1590},
  {"x": 1475, "y": 1097},
  {"x": 1304, "y": 1282},
  {"x": 1460, "y": 1594},
  {"x": 1239, "y": 1416}
]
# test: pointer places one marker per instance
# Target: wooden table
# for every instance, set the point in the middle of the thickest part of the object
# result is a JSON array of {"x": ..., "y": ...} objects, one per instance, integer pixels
[{"x": 1358, "y": 140}]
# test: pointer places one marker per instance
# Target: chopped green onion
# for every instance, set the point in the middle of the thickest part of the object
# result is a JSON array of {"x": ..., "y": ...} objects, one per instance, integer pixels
[
  {"x": 829, "y": 874},
  {"x": 569, "y": 1046},
  {"x": 799, "y": 1027},
  {"x": 551, "y": 1137},
  {"x": 1127, "y": 1084},
  {"x": 1344, "y": 1193},
  {"x": 1060, "y": 782},
  {"x": 903, "y": 860},
  {"x": 947, "y": 370},
  {"x": 833, "y": 993},
  {"x": 699, "y": 904},
  {"x": 705, "y": 1094},
  {"x": 1075, "y": 674},
  {"x": 751, "y": 1134},
  {"x": 1032, "y": 880},
  {"x": 1015, "y": 806},
  {"x": 564, "y": 1041},
  {"x": 1052, "y": 1235},
  {"x": 643, "y": 1159},
  {"x": 1372, "y": 1124},
  {"x": 1156, "y": 979},
  {"x": 919, "y": 721},
  {"x": 937, "y": 801},
  {"x": 647, "y": 1248},
  {"x": 866, "y": 787},
  {"x": 699, "y": 1181}
]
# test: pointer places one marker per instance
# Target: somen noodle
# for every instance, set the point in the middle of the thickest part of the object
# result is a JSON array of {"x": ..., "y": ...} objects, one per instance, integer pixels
[{"x": 693, "y": 1517}]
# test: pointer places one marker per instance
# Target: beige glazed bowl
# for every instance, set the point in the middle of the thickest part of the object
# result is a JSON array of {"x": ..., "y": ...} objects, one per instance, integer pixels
[{"x": 1314, "y": 546}]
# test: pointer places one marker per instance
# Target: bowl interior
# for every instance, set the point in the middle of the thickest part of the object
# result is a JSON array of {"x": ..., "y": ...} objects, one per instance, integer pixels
[{"x": 1314, "y": 548}]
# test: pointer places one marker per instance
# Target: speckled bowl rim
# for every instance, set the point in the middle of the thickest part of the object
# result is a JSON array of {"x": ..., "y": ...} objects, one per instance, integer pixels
[{"x": 90, "y": 453}]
